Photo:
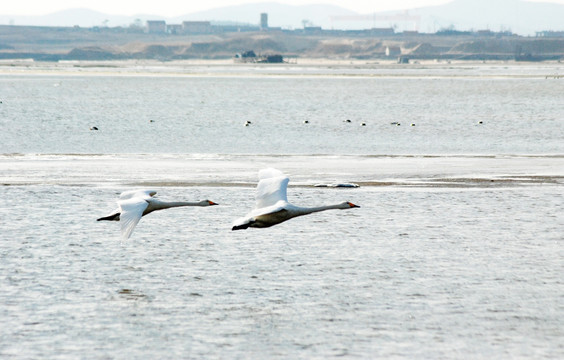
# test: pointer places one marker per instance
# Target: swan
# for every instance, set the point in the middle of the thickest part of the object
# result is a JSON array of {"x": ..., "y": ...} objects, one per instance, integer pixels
[
  {"x": 134, "y": 204},
  {"x": 272, "y": 205}
]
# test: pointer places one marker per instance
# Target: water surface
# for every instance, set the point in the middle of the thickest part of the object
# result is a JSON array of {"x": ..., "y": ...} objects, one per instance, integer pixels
[{"x": 456, "y": 251}]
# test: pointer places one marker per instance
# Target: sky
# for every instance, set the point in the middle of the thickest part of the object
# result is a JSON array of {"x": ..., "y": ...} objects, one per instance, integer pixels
[{"x": 172, "y": 8}]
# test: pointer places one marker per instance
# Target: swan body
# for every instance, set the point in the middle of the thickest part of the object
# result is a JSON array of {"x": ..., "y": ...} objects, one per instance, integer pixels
[
  {"x": 272, "y": 206},
  {"x": 134, "y": 204}
]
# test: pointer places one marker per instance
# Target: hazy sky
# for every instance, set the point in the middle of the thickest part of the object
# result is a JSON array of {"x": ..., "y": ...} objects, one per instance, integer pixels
[{"x": 180, "y": 7}]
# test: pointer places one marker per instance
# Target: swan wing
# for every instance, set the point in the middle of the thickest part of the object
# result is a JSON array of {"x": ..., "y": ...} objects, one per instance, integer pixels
[
  {"x": 141, "y": 193},
  {"x": 272, "y": 188},
  {"x": 131, "y": 212},
  {"x": 269, "y": 173}
]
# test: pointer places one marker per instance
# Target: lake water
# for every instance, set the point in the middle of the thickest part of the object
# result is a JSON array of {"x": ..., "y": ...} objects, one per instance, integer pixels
[{"x": 456, "y": 252}]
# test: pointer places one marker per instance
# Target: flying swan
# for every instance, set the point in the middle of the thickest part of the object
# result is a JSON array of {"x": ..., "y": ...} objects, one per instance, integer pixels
[
  {"x": 272, "y": 205},
  {"x": 134, "y": 204}
]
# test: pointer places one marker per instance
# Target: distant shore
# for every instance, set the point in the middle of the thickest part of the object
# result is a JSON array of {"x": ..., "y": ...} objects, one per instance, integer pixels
[
  {"x": 78, "y": 44},
  {"x": 302, "y": 66}
]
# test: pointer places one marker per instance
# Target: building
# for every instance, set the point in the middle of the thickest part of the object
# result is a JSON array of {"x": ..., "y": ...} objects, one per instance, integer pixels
[
  {"x": 381, "y": 31},
  {"x": 394, "y": 51},
  {"x": 264, "y": 21},
  {"x": 156, "y": 26},
  {"x": 196, "y": 27},
  {"x": 174, "y": 29},
  {"x": 484, "y": 33},
  {"x": 310, "y": 30},
  {"x": 550, "y": 34}
]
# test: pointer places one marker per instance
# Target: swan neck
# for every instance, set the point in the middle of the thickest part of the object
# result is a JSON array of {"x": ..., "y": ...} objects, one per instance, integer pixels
[
  {"x": 171, "y": 204},
  {"x": 304, "y": 211}
]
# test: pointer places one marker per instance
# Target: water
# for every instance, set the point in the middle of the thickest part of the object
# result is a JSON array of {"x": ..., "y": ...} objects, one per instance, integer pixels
[
  {"x": 53, "y": 112},
  {"x": 455, "y": 252}
]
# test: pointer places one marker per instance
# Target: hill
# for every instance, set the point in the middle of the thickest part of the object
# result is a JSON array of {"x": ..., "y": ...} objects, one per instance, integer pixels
[{"x": 55, "y": 43}]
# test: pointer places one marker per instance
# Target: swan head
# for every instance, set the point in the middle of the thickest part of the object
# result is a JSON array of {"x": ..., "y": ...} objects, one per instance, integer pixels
[
  {"x": 207, "y": 203},
  {"x": 350, "y": 205}
]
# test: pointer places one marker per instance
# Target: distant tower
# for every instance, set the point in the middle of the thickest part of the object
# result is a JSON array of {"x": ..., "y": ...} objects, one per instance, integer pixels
[{"x": 263, "y": 21}]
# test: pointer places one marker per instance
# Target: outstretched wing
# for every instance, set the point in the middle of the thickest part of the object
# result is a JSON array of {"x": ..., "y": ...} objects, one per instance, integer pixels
[
  {"x": 136, "y": 193},
  {"x": 269, "y": 173},
  {"x": 131, "y": 212},
  {"x": 272, "y": 188}
]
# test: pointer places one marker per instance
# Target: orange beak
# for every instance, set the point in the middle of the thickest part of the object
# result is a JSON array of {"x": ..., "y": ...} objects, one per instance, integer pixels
[
  {"x": 212, "y": 203},
  {"x": 353, "y": 205}
]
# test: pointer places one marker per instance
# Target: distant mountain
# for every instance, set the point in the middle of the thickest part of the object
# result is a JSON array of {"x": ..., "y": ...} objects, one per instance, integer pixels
[{"x": 519, "y": 16}]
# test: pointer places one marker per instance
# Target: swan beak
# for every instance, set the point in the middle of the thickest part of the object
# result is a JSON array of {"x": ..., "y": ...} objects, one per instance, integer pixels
[
  {"x": 212, "y": 203},
  {"x": 353, "y": 205}
]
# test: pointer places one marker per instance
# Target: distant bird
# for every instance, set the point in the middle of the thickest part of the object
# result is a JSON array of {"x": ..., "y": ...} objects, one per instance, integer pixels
[
  {"x": 306, "y": 121},
  {"x": 363, "y": 124},
  {"x": 93, "y": 128},
  {"x": 272, "y": 205},
  {"x": 134, "y": 204},
  {"x": 247, "y": 123},
  {"x": 348, "y": 121}
]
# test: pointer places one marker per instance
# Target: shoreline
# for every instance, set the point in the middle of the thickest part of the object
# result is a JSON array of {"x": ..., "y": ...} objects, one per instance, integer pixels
[{"x": 305, "y": 66}]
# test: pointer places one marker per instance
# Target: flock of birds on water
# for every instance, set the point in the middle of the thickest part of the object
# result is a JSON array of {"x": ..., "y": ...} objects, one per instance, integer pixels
[
  {"x": 272, "y": 206},
  {"x": 249, "y": 123},
  {"x": 348, "y": 121}
]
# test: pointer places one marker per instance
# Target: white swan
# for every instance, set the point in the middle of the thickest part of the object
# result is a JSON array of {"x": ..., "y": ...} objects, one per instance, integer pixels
[
  {"x": 134, "y": 204},
  {"x": 272, "y": 205}
]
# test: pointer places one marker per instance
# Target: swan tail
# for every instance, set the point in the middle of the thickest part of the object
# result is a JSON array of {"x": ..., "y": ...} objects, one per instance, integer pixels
[
  {"x": 112, "y": 217},
  {"x": 243, "y": 225}
]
